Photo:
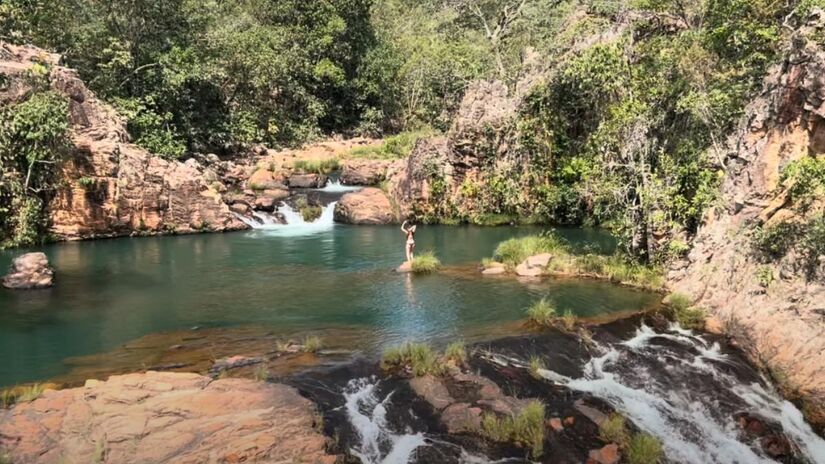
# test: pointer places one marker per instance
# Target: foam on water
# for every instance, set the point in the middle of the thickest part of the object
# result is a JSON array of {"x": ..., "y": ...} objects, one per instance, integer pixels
[
  {"x": 335, "y": 186},
  {"x": 689, "y": 423},
  {"x": 367, "y": 413},
  {"x": 295, "y": 224}
]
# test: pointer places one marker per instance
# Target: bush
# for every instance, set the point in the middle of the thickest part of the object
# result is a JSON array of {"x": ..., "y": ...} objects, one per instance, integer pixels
[
  {"x": 311, "y": 213},
  {"x": 644, "y": 449},
  {"x": 526, "y": 428},
  {"x": 456, "y": 352},
  {"x": 394, "y": 147},
  {"x": 418, "y": 358},
  {"x": 568, "y": 320},
  {"x": 614, "y": 430},
  {"x": 515, "y": 250},
  {"x": 425, "y": 263},
  {"x": 542, "y": 312},
  {"x": 679, "y": 301}
]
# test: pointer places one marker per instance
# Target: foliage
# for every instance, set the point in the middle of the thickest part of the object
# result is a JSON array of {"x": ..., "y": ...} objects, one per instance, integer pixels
[
  {"x": 417, "y": 358},
  {"x": 542, "y": 312},
  {"x": 425, "y": 263},
  {"x": 568, "y": 320},
  {"x": 261, "y": 373},
  {"x": 805, "y": 178},
  {"x": 311, "y": 213},
  {"x": 21, "y": 394},
  {"x": 805, "y": 239},
  {"x": 682, "y": 310},
  {"x": 515, "y": 250},
  {"x": 317, "y": 166},
  {"x": 644, "y": 449},
  {"x": 393, "y": 147},
  {"x": 33, "y": 139},
  {"x": 526, "y": 427},
  {"x": 312, "y": 344},
  {"x": 535, "y": 367},
  {"x": 679, "y": 301}
]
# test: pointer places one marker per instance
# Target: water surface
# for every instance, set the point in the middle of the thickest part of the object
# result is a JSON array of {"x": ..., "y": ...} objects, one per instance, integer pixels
[{"x": 109, "y": 292}]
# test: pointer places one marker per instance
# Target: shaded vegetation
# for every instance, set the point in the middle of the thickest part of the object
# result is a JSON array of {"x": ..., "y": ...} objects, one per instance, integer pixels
[
  {"x": 525, "y": 428},
  {"x": 393, "y": 147},
  {"x": 425, "y": 263},
  {"x": 21, "y": 394},
  {"x": 416, "y": 358},
  {"x": 681, "y": 309}
]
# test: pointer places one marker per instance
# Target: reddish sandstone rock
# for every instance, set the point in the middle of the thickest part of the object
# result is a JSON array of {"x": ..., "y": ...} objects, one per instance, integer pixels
[
  {"x": 307, "y": 181},
  {"x": 263, "y": 179},
  {"x": 165, "y": 417},
  {"x": 609, "y": 454},
  {"x": 367, "y": 206},
  {"x": 364, "y": 171},
  {"x": 534, "y": 265}
]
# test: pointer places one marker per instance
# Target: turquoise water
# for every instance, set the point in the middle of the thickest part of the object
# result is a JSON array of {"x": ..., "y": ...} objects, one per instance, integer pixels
[{"x": 109, "y": 292}]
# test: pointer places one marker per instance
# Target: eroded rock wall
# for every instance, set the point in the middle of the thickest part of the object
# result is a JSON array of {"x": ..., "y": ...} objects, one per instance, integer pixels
[
  {"x": 780, "y": 323},
  {"x": 108, "y": 186}
]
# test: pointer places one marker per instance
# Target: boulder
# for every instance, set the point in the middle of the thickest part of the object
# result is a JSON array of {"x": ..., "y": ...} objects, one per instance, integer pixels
[
  {"x": 263, "y": 179},
  {"x": 240, "y": 208},
  {"x": 609, "y": 454},
  {"x": 165, "y": 417},
  {"x": 432, "y": 390},
  {"x": 265, "y": 203},
  {"x": 404, "y": 268},
  {"x": 277, "y": 194},
  {"x": 461, "y": 417},
  {"x": 367, "y": 206},
  {"x": 494, "y": 268},
  {"x": 534, "y": 265},
  {"x": 29, "y": 271},
  {"x": 307, "y": 181},
  {"x": 364, "y": 171}
]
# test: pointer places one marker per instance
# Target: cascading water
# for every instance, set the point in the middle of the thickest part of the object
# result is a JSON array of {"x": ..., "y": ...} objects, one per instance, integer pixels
[
  {"x": 295, "y": 224},
  {"x": 679, "y": 387},
  {"x": 367, "y": 413},
  {"x": 335, "y": 186}
]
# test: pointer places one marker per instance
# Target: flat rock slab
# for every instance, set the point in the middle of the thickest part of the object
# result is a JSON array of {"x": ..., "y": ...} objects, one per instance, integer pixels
[
  {"x": 29, "y": 271},
  {"x": 165, "y": 417}
]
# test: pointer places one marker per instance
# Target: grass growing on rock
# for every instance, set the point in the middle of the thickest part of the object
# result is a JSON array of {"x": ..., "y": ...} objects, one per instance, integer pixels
[
  {"x": 515, "y": 250},
  {"x": 317, "y": 166},
  {"x": 614, "y": 430},
  {"x": 525, "y": 428},
  {"x": 312, "y": 344},
  {"x": 535, "y": 367},
  {"x": 542, "y": 312},
  {"x": 311, "y": 213},
  {"x": 682, "y": 310},
  {"x": 425, "y": 263},
  {"x": 417, "y": 358},
  {"x": 456, "y": 352},
  {"x": 644, "y": 449},
  {"x": 21, "y": 394},
  {"x": 394, "y": 147}
]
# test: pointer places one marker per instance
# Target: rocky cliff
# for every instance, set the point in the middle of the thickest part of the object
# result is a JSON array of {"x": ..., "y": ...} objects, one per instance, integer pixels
[
  {"x": 107, "y": 185},
  {"x": 773, "y": 307}
]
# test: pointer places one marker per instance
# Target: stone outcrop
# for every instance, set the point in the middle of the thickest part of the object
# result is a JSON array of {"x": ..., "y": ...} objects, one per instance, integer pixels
[
  {"x": 779, "y": 322},
  {"x": 367, "y": 206},
  {"x": 165, "y": 417},
  {"x": 29, "y": 271},
  {"x": 109, "y": 186},
  {"x": 534, "y": 266},
  {"x": 307, "y": 181},
  {"x": 364, "y": 171}
]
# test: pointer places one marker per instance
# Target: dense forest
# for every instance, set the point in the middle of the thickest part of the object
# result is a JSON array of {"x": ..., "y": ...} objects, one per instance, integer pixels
[{"x": 626, "y": 127}]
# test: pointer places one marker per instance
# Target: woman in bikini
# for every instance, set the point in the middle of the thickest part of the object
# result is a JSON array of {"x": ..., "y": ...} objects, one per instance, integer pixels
[{"x": 410, "y": 233}]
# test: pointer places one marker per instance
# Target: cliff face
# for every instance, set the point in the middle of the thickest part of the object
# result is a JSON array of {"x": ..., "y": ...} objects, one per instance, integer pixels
[
  {"x": 107, "y": 185},
  {"x": 775, "y": 309}
]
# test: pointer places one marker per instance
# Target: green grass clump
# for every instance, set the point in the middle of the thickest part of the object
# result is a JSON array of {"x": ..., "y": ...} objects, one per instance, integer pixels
[
  {"x": 536, "y": 365},
  {"x": 456, "y": 352},
  {"x": 394, "y": 147},
  {"x": 312, "y": 344},
  {"x": 311, "y": 213},
  {"x": 681, "y": 310},
  {"x": 322, "y": 166},
  {"x": 525, "y": 428},
  {"x": 568, "y": 320},
  {"x": 542, "y": 312},
  {"x": 644, "y": 449},
  {"x": 614, "y": 430},
  {"x": 21, "y": 394},
  {"x": 418, "y": 358},
  {"x": 261, "y": 373},
  {"x": 425, "y": 263},
  {"x": 515, "y": 250}
]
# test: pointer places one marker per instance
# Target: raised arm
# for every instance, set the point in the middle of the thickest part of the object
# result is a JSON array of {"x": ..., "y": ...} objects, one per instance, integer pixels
[{"x": 403, "y": 227}]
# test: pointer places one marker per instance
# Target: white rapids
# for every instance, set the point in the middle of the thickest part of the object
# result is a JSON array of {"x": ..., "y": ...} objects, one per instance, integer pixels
[
  {"x": 687, "y": 421},
  {"x": 295, "y": 224},
  {"x": 367, "y": 413},
  {"x": 335, "y": 186}
]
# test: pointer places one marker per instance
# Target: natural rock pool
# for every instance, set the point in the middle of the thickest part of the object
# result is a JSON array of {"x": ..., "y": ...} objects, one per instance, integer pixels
[{"x": 294, "y": 279}]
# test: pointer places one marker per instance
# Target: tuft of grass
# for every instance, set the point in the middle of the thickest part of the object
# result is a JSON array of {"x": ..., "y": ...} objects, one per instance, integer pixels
[
  {"x": 515, "y": 250},
  {"x": 312, "y": 344},
  {"x": 261, "y": 373},
  {"x": 536, "y": 364},
  {"x": 323, "y": 166},
  {"x": 681, "y": 310},
  {"x": 542, "y": 312},
  {"x": 525, "y": 428},
  {"x": 425, "y": 263},
  {"x": 311, "y": 213},
  {"x": 644, "y": 449},
  {"x": 394, "y": 147},
  {"x": 679, "y": 301},
  {"x": 456, "y": 352},
  {"x": 21, "y": 394},
  {"x": 568, "y": 320},
  {"x": 614, "y": 430},
  {"x": 418, "y": 358}
]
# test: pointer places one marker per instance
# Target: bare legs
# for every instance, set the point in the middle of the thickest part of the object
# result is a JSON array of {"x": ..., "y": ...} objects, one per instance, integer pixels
[{"x": 410, "y": 249}]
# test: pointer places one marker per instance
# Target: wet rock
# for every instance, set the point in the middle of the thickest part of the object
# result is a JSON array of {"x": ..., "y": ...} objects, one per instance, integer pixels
[
  {"x": 29, "y": 271},
  {"x": 609, "y": 454},
  {"x": 534, "y": 265},
  {"x": 461, "y": 417},
  {"x": 595, "y": 416},
  {"x": 364, "y": 171},
  {"x": 775, "y": 445},
  {"x": 233, "y": 362},
  {"x": 404, "y": 268},
  {"x": 307, "y": 181},
  {"x": 494, "y": 268},
  {"x": 165, "y": 417},
  {"x": 367, "y": 206},
  {"x": 555, "y": 424},
  {"x": 265, "y": 203},
  {"x": 432, "y": 390}
]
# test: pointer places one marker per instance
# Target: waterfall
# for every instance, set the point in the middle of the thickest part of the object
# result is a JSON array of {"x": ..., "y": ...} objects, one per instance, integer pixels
[
  {"x": 378, "y": 445},
  {"x": 335, "y": 186},
  {"x": 295, "y": 224},
  {"x": 686, "y": 397}
]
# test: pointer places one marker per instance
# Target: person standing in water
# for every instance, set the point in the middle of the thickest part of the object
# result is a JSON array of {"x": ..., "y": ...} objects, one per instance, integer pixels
[{"x": 410, "y": 233}]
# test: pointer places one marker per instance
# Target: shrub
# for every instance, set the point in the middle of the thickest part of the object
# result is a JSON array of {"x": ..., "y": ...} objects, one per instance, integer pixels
[
  {"x": 86, "y": 182},
  {"x": 775, "y": 241},
  {"x": 515, "y": 250},
  {"x": 644, "y": 449},
  {"x": 692, "y": 318},
  {"x": 536, "y": 365},
  {"x": 614, "y": 430},
  {"x": 418, "y": 358},
  {"x": 764, "y": 275},
  {"x": 425, "y": 263},
  {"x": 311, "y": 213},
  {"x": 312, "y": 344},
  {"x": 568, "y": 320},
  {"x": 526, "y": 428},
  {"x": 456, "y": 352},
  {"x": 542, "y": 312},
  {"x": 317, "y": 166},
  {"x": 679, "y": 301}
]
